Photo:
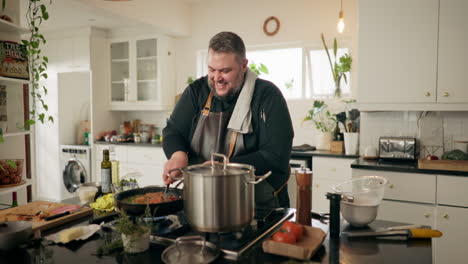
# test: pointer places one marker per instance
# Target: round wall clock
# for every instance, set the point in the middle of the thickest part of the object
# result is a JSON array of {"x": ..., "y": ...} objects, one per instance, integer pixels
[{"x": 271, "y": 26}]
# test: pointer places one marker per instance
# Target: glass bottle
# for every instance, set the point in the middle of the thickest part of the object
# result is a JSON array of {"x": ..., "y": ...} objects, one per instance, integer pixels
[
  {"x": 14, "y": 203},
  {"x": 106, "y": 178}
]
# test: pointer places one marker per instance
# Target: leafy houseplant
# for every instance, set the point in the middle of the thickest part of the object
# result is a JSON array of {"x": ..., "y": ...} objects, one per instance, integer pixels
[
  {"x": 339, "y": 68},
  {"x": 323, "y": 120},
  {"x": 135, "y": 232},
  {"x": 35, "y": 15}
]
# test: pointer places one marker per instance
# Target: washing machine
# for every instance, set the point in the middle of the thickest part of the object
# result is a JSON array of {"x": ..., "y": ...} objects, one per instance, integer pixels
[{"x": 75, "y": 167}]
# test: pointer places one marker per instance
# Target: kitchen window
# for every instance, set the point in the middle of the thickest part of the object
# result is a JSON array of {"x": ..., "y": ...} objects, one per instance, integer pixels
[{"x": 299, "y": 71}]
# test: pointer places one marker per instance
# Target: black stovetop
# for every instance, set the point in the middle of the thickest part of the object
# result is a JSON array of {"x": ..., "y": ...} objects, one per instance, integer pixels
[{"x": 234, "y": 244}]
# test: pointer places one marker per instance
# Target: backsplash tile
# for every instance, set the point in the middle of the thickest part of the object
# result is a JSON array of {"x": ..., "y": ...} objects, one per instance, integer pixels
[{"x": 454, "y": 126}]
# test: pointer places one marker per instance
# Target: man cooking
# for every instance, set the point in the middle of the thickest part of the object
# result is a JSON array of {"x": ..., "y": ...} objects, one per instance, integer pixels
[{"x": 231, "y": 111}]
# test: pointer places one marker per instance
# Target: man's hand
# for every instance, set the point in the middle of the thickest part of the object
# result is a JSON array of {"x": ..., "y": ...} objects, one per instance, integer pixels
[{"x": 179, "y": 159}]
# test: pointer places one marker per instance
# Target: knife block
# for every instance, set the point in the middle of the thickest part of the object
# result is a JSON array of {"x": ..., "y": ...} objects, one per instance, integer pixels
[{"x": 304, "y": 196}]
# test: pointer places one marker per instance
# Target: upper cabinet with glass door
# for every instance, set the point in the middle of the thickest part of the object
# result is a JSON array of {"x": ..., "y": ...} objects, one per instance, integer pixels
[{"x": 142, "y": 74}]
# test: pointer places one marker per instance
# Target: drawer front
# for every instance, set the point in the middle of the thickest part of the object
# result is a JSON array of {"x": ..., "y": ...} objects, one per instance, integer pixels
[
  {"x": 332, "y": 168},
  {"x": 149, "y": 155},
  {"x": 452, "y": 190},
  {"x": 404, "y": 212},
  {"x": 413, "y": 187}
]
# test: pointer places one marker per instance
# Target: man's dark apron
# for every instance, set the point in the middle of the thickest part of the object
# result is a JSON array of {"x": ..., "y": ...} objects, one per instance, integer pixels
[{"x": 212, "y": 136}]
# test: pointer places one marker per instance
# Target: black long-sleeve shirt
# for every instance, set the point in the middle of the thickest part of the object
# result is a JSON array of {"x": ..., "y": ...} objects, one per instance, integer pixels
[{"x": 268, "y": 147}]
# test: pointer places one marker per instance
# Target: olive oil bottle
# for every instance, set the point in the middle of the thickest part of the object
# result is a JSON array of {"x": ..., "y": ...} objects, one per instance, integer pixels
[{"x": 106, "y": 177}]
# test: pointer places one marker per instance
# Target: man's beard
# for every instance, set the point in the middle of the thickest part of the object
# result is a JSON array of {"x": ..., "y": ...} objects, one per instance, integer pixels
[{"x": 232, "y": 93}]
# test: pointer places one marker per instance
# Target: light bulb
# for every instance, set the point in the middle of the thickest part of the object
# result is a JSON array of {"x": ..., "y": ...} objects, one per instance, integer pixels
[{"x": 340, "y": 27}]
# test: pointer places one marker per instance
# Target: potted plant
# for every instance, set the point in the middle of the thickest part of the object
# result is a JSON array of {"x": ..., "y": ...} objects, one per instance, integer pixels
[
  {"x": 324, "y": 122},
  {"x": 339, "y": 68},
  {"x": 135, "y": 232}
]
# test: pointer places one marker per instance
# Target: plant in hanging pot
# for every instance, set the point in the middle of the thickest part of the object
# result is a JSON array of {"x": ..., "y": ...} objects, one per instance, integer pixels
[
  {"x": 135, "y": 232},
  {"x": 324, "y": 122},
  {"x": 339, "y": 67}
]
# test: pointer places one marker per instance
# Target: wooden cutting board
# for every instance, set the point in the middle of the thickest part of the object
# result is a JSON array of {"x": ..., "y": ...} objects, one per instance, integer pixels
[
  {"x": 34, "y": 212},
  {"x": 304, "y": 249},
  {"x": 451, "y": 165}
]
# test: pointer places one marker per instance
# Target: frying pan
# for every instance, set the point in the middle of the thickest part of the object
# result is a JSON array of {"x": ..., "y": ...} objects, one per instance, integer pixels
[{"x": 159, "y": 209}]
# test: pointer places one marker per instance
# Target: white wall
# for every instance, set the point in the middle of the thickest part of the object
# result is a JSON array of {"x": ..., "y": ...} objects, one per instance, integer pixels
[{"x": 301, "y": 21}]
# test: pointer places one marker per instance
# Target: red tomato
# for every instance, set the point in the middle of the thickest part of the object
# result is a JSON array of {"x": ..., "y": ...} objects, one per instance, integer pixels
[
  {"x": 284, "y": 237},
  {"x": 295, "y": 229}
]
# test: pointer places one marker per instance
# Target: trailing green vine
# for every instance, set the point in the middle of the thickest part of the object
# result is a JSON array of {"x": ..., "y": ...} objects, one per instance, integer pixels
[{"x": 35, "y": 15}]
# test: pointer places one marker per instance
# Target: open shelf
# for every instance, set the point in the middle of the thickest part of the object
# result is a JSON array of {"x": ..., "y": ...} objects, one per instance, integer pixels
[
  {"x": 8, "y": 190},
  {"x": 22, "y": 133},
  {"x": 13, "y": 80},
  {"x": 6, "y": 26}
]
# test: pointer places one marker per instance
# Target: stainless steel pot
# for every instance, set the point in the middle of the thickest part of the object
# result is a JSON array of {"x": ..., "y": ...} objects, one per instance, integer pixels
[{"x": 219, "y": 197}]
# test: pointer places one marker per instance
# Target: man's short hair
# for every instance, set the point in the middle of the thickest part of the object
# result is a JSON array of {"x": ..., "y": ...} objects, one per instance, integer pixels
[{"x": 228, "y": 42}]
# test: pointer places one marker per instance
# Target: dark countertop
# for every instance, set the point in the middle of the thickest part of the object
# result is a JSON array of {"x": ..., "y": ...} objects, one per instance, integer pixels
[
  {"x": 355, "y": 251},
  {"x": 131, "y": 144},
  {"x": 321, "y": 153},
  {"x": 411, "y": 167}
]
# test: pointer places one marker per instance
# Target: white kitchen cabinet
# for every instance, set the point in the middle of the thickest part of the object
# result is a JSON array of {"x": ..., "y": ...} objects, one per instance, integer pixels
[
  {"x": 146, "y": 164},
  {"x": 405, "y": 212},
  {"x": 327, "y": 172},
  {"x": 142, "y": 73},
  {"x": 447, "y": 213},
  {"x": 410, "y": 58},
  {"x": 453, "y": 54},
  {"x": 453, "y": 245}
]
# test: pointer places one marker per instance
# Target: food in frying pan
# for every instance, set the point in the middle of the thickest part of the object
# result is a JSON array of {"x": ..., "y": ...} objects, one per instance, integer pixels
[{"x": 151, "y": 198}]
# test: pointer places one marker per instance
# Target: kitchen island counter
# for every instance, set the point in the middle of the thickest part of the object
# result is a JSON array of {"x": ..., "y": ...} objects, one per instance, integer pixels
[{"x": 362, "y": 251}]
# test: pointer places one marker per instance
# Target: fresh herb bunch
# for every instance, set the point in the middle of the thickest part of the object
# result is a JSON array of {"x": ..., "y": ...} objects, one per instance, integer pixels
[
  {"x": 323, "y": 119},
  {"x": 339, "y": 68},
  {"x": 259, "y": 69},
  {"x": 133, "y": 227}
]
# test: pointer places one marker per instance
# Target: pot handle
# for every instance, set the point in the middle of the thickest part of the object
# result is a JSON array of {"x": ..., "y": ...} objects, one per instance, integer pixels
[
  {"x": 225, "y": 159},
  {"x": 175, "y": 178},
  {"x": 258, "y": 179}
]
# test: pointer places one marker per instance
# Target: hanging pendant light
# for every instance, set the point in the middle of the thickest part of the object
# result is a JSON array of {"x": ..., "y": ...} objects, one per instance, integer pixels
[{"x": 341, "y": 25}]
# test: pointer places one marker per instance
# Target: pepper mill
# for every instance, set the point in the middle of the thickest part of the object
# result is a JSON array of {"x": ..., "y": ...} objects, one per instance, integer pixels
[{"x": 304, "y": 197}]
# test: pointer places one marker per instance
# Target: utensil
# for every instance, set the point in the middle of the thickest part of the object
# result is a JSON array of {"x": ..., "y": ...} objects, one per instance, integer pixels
[
  {"x": 219, "y": 197},
  {"x": 408, "y": 233},
  {"x": 158, "y": 209}
]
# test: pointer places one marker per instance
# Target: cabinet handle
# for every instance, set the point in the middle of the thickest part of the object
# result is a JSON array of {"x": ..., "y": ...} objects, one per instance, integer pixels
[
  {"x": 445, "y": 216},
  {"x": 428, "y": 94},
  {"x": 446, "y": 94},
  {"x": 391, "y": 186},
  {"x": 427, "y": 215}
]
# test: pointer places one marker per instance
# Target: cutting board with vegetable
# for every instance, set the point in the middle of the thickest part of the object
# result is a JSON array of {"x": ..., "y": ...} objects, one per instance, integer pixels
[
  {"x": 303, "y": 248},
  {"x": 38, "y": 213}
]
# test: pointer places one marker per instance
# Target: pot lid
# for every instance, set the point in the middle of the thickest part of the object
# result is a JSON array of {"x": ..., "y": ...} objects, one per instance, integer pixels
[
  {"x": 231, "y": 169},
  {"x": 190, "y": 249}
]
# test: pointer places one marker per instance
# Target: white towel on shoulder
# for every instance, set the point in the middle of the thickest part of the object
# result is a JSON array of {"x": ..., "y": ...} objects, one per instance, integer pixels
[{"x": 241, "y": 119}]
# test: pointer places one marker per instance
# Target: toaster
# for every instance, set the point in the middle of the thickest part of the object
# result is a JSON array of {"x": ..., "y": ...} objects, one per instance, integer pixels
[{"x": 397, "y": 148}]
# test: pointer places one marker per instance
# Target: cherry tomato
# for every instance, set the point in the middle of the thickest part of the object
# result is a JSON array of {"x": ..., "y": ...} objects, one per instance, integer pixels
[
  {"x": 284, "y": 237},
  {"x": 296, "y": 229}
]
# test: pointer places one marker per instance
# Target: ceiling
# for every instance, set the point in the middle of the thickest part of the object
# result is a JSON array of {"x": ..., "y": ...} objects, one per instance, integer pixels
[{"x": 66, "y": 14}]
